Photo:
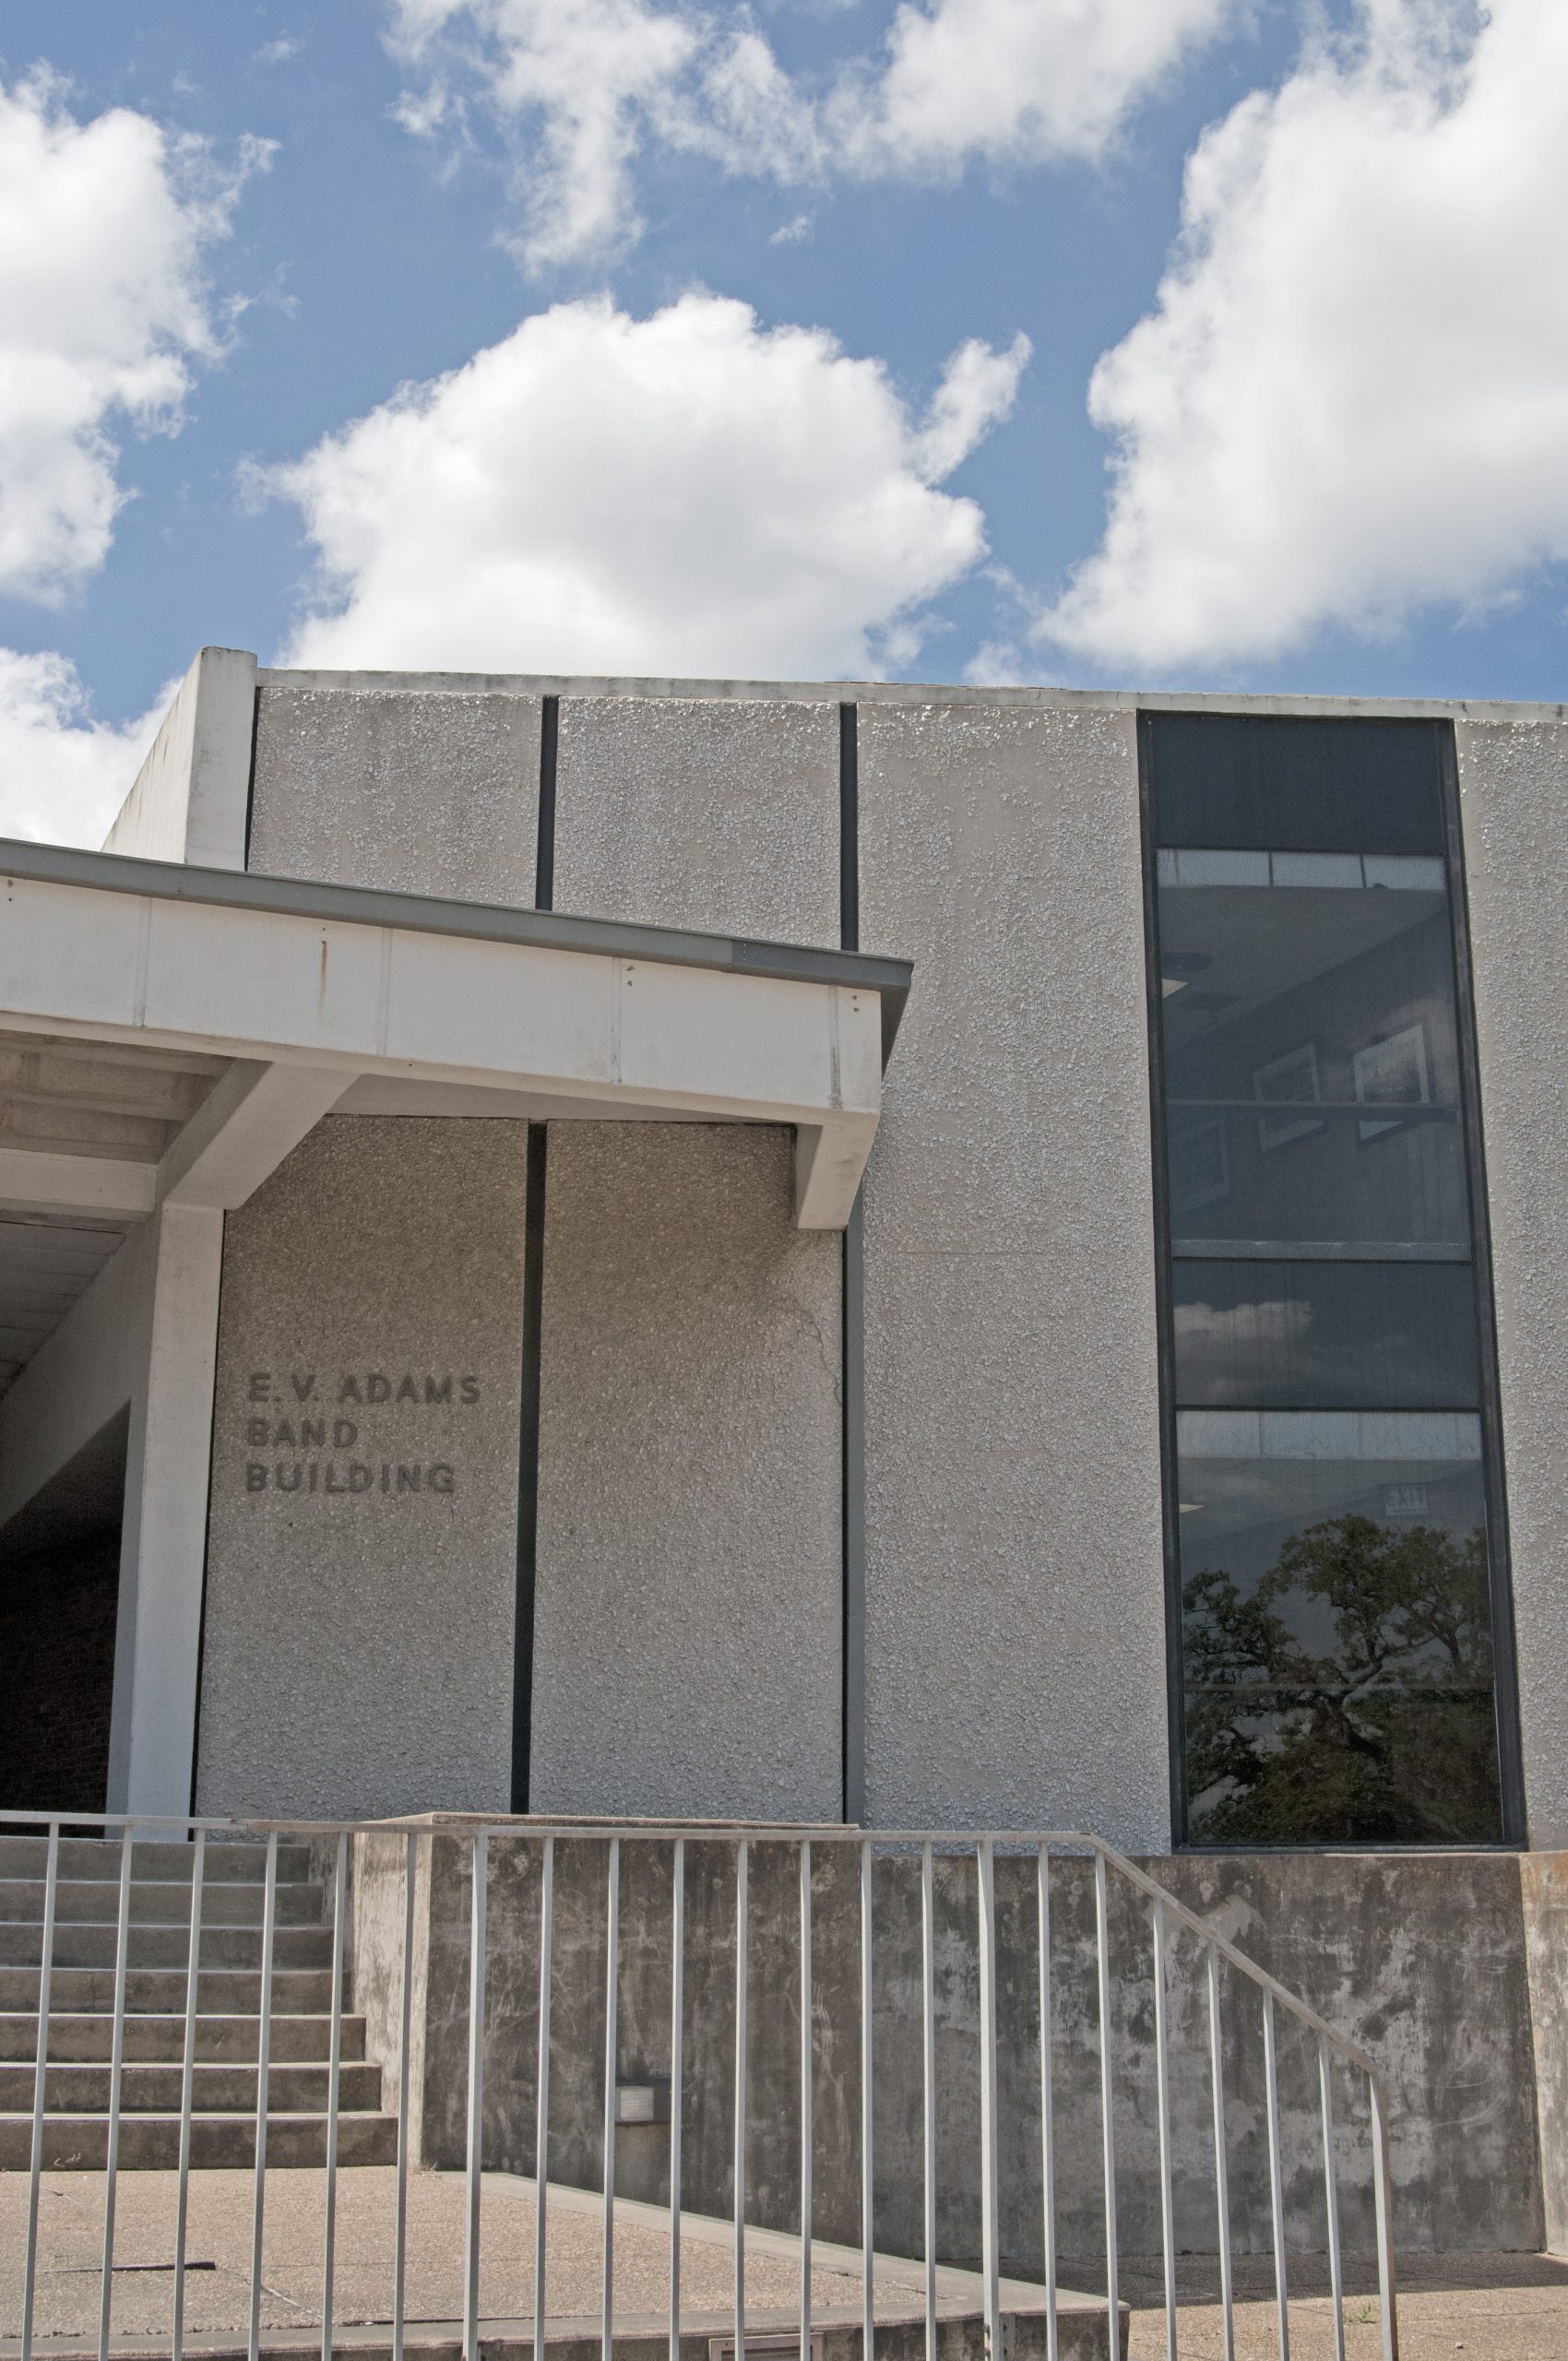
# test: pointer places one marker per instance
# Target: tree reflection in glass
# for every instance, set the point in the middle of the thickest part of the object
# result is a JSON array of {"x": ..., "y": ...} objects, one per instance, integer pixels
[{"x": 1386, "y": 1735}]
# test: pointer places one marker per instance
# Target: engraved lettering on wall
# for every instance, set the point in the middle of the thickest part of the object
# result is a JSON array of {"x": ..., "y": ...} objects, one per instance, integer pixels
[{"x": 354, "y": 1433}]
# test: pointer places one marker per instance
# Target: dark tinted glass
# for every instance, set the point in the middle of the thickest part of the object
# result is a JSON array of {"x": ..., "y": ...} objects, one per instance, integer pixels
[
  {"x": 1325, "y": 1336},
  {"x": 1323, "y": 785},
  {"x": 1336, "y": 1647},
  {"x": 1311, "y": 1049}
]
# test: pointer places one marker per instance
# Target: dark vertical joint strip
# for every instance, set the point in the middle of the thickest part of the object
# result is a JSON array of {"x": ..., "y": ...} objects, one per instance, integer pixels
[
  {"x": 848, "y": 828},
  {"x": 528, "y": 1466},
  {"x": 250, "y": 784},
  {"x": 544, "y": 863},
  {"x": 533, "y": 1315},
  {"x": 852, "y": 1707},
  {"x": 1505, "y": 1665},
  {"x": 1175, "y": 1688}
]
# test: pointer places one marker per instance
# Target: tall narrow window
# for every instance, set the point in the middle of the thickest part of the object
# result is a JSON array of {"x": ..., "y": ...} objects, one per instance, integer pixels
[{"x": 1333, "y": 1525}]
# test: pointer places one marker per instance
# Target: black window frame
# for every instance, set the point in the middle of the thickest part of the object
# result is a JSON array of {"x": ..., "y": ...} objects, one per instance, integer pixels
[{"x": 1505, "y": 1674}]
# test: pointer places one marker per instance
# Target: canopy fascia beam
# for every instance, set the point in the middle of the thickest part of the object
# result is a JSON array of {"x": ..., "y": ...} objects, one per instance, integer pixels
[{"x": 313, "y": 985}]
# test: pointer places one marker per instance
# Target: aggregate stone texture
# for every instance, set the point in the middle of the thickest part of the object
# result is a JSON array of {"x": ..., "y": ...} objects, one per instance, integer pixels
[
  {"x": 1015, "y": 1575},
  {"x": 414, "y": 793},
  {"x": 1513, "y": 793},
  {"x": 358, "y": 1638},
  {"x": 677, "y": 811},
  {"x": 687, "y": 1614}
]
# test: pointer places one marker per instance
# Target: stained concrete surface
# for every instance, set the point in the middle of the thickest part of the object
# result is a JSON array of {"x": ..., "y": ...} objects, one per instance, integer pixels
[{"x": 1423, "y": 1962}]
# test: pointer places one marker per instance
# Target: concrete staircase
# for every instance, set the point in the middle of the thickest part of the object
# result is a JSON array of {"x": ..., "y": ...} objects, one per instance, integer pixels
[{"x": 228, "y": 1990}]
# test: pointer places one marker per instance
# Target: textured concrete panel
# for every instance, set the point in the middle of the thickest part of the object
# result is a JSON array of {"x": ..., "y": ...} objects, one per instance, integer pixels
[
  {"x": 1514, "y": 790},
  {"x": 685, "y": 813},
  {"x": 687, "y": 1624},
  {"x": 418, "y": 794},
  {"x": 1015, "y": 1609},
  {"x": 358, "y": 1640}
]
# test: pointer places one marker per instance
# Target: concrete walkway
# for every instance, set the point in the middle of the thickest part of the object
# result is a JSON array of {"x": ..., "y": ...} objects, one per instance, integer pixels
[
  {"x": 218, "y": 2250},
  {"x": 1490, "y": 2308}
]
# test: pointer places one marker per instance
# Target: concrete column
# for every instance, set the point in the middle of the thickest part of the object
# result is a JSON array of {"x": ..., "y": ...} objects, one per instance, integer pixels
[{"x": 163, "y": 1544}]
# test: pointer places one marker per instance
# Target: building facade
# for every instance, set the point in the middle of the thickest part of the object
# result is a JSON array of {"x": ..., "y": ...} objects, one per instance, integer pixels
[{"x": 939, "y": 1257}]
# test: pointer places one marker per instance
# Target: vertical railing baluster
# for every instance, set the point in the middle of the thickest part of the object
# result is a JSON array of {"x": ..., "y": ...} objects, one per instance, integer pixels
[
  {"x": 1162, "y": 2090},
  {"x": 1331, "y": 2194},
  {"x": 187, "y": 2093},
  {"x": 1383, "y": 2195},
  {"x": 611, "y": 2044},
  {"x": 39, "y": 2082},
  {"x": 928, "y": 2087},
  {"x": 677, "y": 2078},
  {"x": 1107, "y": 2100},
  {"x": 116, "y": 2067},
  {"x": 541, "y": 2088},
  {"x": 868, "y": 2284},
  {"x": 334, "y": 2088},
  {"x": 1047, "y": 2113},
  {"x": 1276, "y": 2176},
  {"x": 405, "y": 2061},
  {"x": 742, "y": 1941},
  {"x": 474, "y": 2168},
  {"x": 263, "y": 2062},
  {"x": 990, "y": 2259},
  {"x": 1221, "y": 2157},
  {"x": 806, "y": 1999}
]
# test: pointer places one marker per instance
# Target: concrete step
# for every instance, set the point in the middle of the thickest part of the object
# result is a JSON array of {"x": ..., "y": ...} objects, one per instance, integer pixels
[
  {"x": 92, "y": 1858},
  {"x": 22, "y": 1946},
  {"x": 161, "y": 1901},
  {"x": 151, "y": 2143},
  {"x": 160, "y": 1992},
  {"x": 87, "y": 2040},
  {"x": 214, "y": 2090}
]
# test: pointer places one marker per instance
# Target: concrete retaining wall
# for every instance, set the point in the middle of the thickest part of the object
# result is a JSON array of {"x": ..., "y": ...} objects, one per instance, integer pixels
[{"x": 1455, "y": 2038}]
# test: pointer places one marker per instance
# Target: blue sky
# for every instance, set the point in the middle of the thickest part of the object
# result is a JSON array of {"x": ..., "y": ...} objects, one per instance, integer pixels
[{"x": 677, "y": 292}]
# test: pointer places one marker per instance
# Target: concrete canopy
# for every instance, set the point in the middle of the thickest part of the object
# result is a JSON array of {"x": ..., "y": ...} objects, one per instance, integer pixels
[{"x": 265, "y": 1000}]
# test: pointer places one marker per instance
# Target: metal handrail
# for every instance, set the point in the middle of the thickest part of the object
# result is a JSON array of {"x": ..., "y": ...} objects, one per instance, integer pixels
[{"x": 477, "y": 1831}]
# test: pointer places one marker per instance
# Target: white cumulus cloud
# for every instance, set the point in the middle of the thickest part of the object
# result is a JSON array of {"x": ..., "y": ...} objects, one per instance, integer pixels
[
  {"x": 62, "y": 775},
  {"x": 1351, "y": 396},
  {"x": 583, "y": 85},
  {"x": 689, "y": 492},
  {"x": 103, "y": 306},
  {"x": 1011, "y": 81}
]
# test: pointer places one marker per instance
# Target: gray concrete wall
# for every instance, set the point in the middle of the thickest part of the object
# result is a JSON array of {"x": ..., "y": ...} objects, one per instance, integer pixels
[
  {"x": 686, "y": 1633},
  {"x": 188, "y": 800},
  {"x": 415, "y": 793},
  {"x": 1544, "y": 1885},
  {"x": 681, "y": 812},
  {"x": 1014, "y": 1584},
  {"x": 358, "y": 1637},
  {"x": 1514, "y": 797},
  {"x": 688, "y": 1612},
  {"x": 1452, "y": 2034}
]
